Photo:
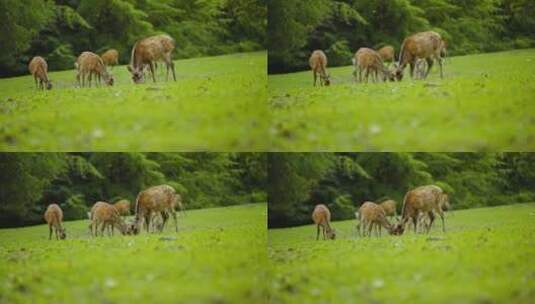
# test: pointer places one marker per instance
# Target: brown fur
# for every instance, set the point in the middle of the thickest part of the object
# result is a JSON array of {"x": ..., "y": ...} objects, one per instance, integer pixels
[
  {"x": 54, "y": 218},
  {"x": 370, "y": 214},
  {"x": 425, "y": 45},
  {"x": 369, "y": 60},
  {"x": 423, "y": 200},
  {"x": 39, "y": 69},
  {"x": 322, "y": 218},
  {"x": 387, "y": 53},
  {"x": 318, "y": 64},
  {"x": 123, "y": 207},
  {"x": 110, "y": 57},
  {"x": 149, "y": 50},
  {"x": 389, "y": 207},
  {"x": 160, "y": 199},
  {"x": 105, "y": 215},
  {"x": 89, "y": 63}
]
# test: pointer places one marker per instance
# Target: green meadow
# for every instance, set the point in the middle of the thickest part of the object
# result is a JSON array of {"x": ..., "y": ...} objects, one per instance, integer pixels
[
  {"x": 484, "y": 103},
  {"x": 217, "y": 103},
  {"x": 487, "y": 255},
  {"x": 218, "y": 256}
]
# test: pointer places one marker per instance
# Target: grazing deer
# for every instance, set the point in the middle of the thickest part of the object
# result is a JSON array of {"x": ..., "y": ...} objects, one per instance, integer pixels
[
  {"x": 106, "y": 216},
  {"x": 423, "y": 200},
  {"x": 369, "y": 60},
  {"x": 160, "y": 199},
  {"x": 90, "y": 64},
  {"x": 425, "y": 45},
  {"x": 39, "y": 69},
  {"x": 322, "y": 218},
  {"x": 123, "y": 207},
  {"x": 387, "y": 54},
  {"x": 110, "y": 57},
  {"x": 54, "y": 218},
  {"x": 318, "y": 64},
  {"x": 389, "y": 207},
  {"x": 149, "y": 50},
  {"x": 370, "y": 214}
]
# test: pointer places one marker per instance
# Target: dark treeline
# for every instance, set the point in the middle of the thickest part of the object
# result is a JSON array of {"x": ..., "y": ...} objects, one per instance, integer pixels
[
  {"x": 340, "y": 27},
  {"x": 60, "y": 30},
  {"x": 343, "y": 181},
  {"x": 31, "y": 181}
]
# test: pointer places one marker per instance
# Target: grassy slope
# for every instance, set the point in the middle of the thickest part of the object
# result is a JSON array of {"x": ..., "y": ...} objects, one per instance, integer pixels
[
  {"x": 486, "y": 256},
  {"x": 217, "y": 103},
  {"x": 219, "y": 256},
  {"x": 485, "y": 102}
]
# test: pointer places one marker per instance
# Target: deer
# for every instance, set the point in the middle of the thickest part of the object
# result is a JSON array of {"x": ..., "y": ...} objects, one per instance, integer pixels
[
  {"x": 105, "y": 215},
  {"x": 90, "y": 63},
  {"x": 369, "y": 60},
  {"x": 54, "y": 218},
  {"x": 387, "y": 54},
  {"x": 122, "y": 206},
  {"x": 369, "y": 215},
  {"x": 318, "y": 64},
  {"x": 39, "y": 69},
  {"x": 422, "y": 200},
  {"x": 389, "y": 207},
  {"x": 160, "y": 199},
  {"x": 110, "y": 57},
  {"x": 322, "y": 218},
  {"x": 149, "y": 50},
  {"x": 426, "y": 45}
]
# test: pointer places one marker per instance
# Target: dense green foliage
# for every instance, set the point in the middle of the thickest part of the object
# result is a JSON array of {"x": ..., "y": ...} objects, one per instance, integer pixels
[
  {"x": 216, "y": 104},
  {"x": 218, "y": 256},
  {"x": 484, "y": 103},
  {"x": 484, "y": 257},
  {"x": 343, "y": 181},
  {"x": 340, "y": 27},
  {"x": 31, "y": 181},
  {"x": 60, "y": 30}
]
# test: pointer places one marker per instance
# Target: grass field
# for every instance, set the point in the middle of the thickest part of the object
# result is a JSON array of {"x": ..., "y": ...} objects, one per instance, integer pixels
[
  {"x": 218, "y": 256},
  {"x": 487, "y": 255},
  {"x": 484, "y": 103},
  {"x": 217, "y": 103}
]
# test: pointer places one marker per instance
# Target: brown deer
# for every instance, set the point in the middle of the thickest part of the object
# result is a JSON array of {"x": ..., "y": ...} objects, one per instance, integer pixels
[
  {"x": 90, "y": 64},
  {"x": 54, "y": 218},
  {"x": 322, "y": 218},
  {"x": 425, "y": 45},
  {"x": 389, "y": 207},
  {"x": 122, "y": 206},
  {"x": 106, "y": 216},
  {"x": 318, "y": 64},
  {"x": 149, "y": 50},
  {"x": 160, "y": 199},
  {"x": 423, "y": 200},
  {"x": 110, "y": 57},
  {"x": 387, "y": 54},
  {"x": 370, "y": 214},
  {"x": 369, "y": 60},
  {"x": 39, "y": 69}
]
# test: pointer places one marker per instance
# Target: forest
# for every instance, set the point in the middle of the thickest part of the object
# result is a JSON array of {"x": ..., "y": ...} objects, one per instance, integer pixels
[
  {"x": 59, "y": 30},
  {"x": 31, "y": 181},
  {"x": 340, "y": 27},
  {"x": 342, "y": 181}
]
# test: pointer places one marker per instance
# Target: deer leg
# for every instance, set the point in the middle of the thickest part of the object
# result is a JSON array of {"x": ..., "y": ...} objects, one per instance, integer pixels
[
  {"x": 152, "y": 71},
  {"x": 165, "y": 217},
  {"x": 412, "y": 64},
  {"x": 147, "y": 222},
  {"x": 367, "y": 73},
  {"x": 173, "y": 213},
  {"x": 441, "y": 214},
  {"x": 370, "y": 227},
  {"x": 415, "y": 222},
  {"x": 314, "y": 77},
  {"x": 49, "y": 232},
  {"x": 440, "y": 66},
  {"x": 380, "y": 228},
  {"x": 317, "y": 232},
  {"x": 429, "y": 66}
]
